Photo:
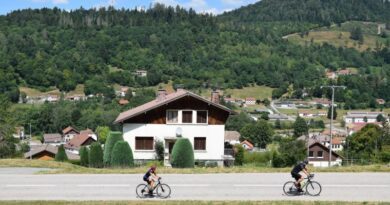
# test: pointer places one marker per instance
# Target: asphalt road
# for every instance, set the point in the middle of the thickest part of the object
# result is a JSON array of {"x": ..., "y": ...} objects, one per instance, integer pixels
[{"x": 260, "y": 186}]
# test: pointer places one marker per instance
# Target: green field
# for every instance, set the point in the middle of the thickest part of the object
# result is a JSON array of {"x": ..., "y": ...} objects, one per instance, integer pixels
[
  {"x": 339, "y": 36},
  {"x": 160, "y": 202},
  {"x": 258, "y": 92}
]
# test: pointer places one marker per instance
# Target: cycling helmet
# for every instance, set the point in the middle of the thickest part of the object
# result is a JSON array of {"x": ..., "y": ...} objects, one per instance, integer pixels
[
  {"x": 153, "y": 167},
  {"x": 306, "y": 161}
]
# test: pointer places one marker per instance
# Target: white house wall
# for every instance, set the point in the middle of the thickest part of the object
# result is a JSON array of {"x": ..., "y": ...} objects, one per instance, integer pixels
[{"x": 214, "y": 138}]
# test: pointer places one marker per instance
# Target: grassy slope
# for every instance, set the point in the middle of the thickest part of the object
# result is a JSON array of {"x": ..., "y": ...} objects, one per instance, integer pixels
[
  {"x": 339, "y": 36},
  {"x": 60, "y": 168},
  {"x": 159, "y": 202}
]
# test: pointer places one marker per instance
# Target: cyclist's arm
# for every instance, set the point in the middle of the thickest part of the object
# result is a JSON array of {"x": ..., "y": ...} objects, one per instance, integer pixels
[{"x": 306, "y": 171}]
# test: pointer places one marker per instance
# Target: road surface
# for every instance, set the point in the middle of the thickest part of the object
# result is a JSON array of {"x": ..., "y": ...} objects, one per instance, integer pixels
[{"x": 258, "y": 186}]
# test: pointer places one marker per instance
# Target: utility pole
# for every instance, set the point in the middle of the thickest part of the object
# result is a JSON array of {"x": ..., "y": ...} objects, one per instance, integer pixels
[{"x": 331, "y": 120}]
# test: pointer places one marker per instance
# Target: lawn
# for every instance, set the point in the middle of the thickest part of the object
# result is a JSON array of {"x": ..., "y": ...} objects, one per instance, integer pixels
[
  {"x": 67, "y": 168},
  {"x": 35, "y": 93},
  {"x": 258, "y": 92},
  {"x": 160, "y": 202}
]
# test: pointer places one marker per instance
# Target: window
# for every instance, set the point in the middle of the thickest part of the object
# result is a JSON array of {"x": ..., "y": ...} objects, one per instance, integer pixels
[
  {"x": 311, "y": 154},
  {"x": 319, "y": 154},
  {"x": 172, "y": 116},
  {"x": 144, "y": 143},
  {"x": 187, "y": 117},
  {"x": 201, "y": 116},
  {"x": 200, "y": 143}
]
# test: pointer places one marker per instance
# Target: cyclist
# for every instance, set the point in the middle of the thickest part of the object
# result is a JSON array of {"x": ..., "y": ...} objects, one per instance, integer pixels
[
  {"x": 295, "y": 173},
  {"x": 149, "y": 177}
]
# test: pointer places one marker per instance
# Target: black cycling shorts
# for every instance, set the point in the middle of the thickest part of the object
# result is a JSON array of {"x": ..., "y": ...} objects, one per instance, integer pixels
[{"x": 296, "y": 176}]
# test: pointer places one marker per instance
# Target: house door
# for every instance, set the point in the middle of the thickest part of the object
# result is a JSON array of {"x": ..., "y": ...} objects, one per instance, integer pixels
[{"x": 170, "y": 148}]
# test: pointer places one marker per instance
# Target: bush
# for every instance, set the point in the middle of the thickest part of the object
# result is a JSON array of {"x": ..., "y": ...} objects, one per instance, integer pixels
[
  {"x": 277, "y": 160},
  {"x": 84, "y": 158},
  {"x": 238, "y": 155},
  {"x": 182, "y": 154},
  {"x": 61, "y": 154},
  {"x": 159, "y": 149},
  {"x": 257, "y": 158},
  {"x": 95, "y": 155},
  {"x": 122, "y": 155},
  {"x": 112, "y": 138},
  {"x": 211, "y": 164}
]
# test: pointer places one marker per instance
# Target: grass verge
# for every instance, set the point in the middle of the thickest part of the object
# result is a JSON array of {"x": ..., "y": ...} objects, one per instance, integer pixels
[
  {"x": 188, "y": 202},
  {"x": 67, "y": 168}
]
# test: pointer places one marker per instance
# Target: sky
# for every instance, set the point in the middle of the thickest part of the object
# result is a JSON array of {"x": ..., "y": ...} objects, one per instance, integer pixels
[{"x": 209, "y": 6}]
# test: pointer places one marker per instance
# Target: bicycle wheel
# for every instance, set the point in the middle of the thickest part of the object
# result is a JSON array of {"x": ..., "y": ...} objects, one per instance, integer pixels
[
  {"x": 289, "y": 188},
  {"x": 142, "y": 190},
  {"x": 313, "y": 188},
  {"x": 163, "y": 191}
]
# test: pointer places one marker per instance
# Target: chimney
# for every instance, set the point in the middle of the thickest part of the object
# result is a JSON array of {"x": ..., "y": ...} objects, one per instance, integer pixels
[
  {"x": 215, "y": 96},
  {"x": 161, "y": 93}
]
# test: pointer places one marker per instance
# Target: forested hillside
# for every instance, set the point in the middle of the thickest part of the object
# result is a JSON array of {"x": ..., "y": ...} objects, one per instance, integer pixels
[{"x": 52, "y": 47}]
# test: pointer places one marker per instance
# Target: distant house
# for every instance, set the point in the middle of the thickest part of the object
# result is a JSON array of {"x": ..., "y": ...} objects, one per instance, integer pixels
[
  {"x": 75, "y": 97},
  {"x": 47, "y": 152},
  {"x": 232, "y": 137},
  {"x": 83, "y": 139},
  {"x": 331, "y": 75},
  {"x": 141, "y": 73},
  {"x": 306, "y": 114},
  {"x": 51, "y": 98},
  {"x": 123, "y": 102},
  {"x": 380, "y": 101},
  {"x": 68, "y": 133},
  {"x": 250, "y": 101},
  {"x": 324, "y": 102},
  {"x": 123, "y": 91},
  {"x": 319, "y": 156},
  {"x": 344, "y": 72},
  {"x": 19, "y": 133},
  {"x": 229, "y": 100},
  {"x": 356, "y": 127},
  {"x": 277, "y": 117},
  {"x": 285, "y": 104},
  {"x": 247, "y": 145},
  {"x": 53, "y": 139},
  {"x": 362, "y": 116}
]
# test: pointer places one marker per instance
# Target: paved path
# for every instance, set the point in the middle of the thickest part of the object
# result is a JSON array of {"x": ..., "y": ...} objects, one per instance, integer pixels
[{"x": 261, "y": 186}]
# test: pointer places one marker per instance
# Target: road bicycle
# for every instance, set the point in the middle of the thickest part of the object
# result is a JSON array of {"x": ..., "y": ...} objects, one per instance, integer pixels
[
  {"x": 161, "y": 190},
  {"x": 309, "y": 186}
]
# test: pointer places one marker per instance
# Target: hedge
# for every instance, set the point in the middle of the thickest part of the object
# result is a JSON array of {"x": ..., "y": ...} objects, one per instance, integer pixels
[
  {"x": 96, "y": 155},
  {"x": 112, "y": 138},
  {"x": 84, "y": 158},
  {"x": 182, "y": 154},
  {"x": 61, "y": 154},
  {"x": 122, "y": 155}
]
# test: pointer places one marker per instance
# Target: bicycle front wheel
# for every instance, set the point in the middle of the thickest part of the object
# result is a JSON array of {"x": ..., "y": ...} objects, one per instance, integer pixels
[
  {"x": 142, "y": 190},
  {"x": 313, "y": 188},
  {"x": 163, "y": 191},
  {"x": 289, "y": 188}
]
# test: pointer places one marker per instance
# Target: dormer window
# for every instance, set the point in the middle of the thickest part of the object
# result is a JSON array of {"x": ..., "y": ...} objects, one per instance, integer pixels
[{"x": 187, "y": 117}]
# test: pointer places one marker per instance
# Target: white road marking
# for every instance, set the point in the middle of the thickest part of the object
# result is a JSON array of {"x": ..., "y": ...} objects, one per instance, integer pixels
[
  {"x": 257, "y": 185},
  {"x": 189, "y": 185},
  {"x": 103, "y": 185},
  {"x": 357, "y": 185},
  {"x": 30, "y": 185}
]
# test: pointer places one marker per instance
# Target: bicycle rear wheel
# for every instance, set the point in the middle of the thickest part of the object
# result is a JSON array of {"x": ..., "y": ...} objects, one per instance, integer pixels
[
  {"x": 163, "y": 191},
  {"x": 142, "y": 190},
  {"x": 313, "y": 188},
  {"x": 289, "y": 188}
]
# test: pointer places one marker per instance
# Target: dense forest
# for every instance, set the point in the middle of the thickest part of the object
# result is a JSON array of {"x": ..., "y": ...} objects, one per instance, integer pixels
[{"x": 40, "y": 48}]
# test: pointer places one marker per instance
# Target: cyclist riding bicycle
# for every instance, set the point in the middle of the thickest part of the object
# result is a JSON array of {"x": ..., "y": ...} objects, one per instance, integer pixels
[
  {"x": 298, "y": 177},
  {"x": 149, "y": 177}
]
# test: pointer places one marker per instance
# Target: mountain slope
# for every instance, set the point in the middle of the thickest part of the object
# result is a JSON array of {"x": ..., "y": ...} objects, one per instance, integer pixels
[{"x": 322, "y": 12}]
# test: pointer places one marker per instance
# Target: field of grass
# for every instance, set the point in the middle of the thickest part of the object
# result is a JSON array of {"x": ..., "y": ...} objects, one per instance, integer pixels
[
  {"x": 67, "y": 168},
  {"x": 159, "y": 202},
  {"x": 339, "y": 36},
  {"x": 78, "y": 91},
  {"x": 258, "y": 92},
  {"x": 35, "y": 93}
]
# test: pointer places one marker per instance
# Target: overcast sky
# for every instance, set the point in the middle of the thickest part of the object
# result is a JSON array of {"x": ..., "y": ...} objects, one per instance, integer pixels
[{"x": 210, "y": 6}]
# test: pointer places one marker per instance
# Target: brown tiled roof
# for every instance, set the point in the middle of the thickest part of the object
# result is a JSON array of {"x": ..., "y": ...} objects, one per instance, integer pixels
[
  {"x": 232, "y": 135},
  {"x": 250, "y": 145},
  {"x": 123, "y": 102},
  {"x": 159, "y": 102},
  {"x": 48, "y": 148},
  {"x": 52, "y": 137},
  {"x": 78, "y": 140},
  {"x": 68, "y": 129}
]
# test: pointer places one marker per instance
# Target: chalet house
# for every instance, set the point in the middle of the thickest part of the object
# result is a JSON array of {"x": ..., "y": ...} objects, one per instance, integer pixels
[
  {"x": 250, "y": 101},
  {"x": 319, "y": 156},
  {"x": 359, "y": 117},
  {"x": 170, "y": 116},
  {"x": 141, "y": 73},
  {"x": 53, "y": 139},
  {"x": 69, "y": 133},
  {"x": 83, "y": 139},
  {"x": 232, "y": 137},
  {"x": 247, "y": 145},
  {"x": 47, "y": 152},
  {"x": 380, "y": 101}
]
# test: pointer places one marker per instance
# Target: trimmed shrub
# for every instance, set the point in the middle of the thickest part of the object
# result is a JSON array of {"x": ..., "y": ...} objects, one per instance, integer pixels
[
  {"x": 159, "y": 149},
  {"x": 112, "y": 138},
  {"x": 182, "y": 154},
  {"x": 95, "y": 155},
  {"x": 84, "y": 158},
  {"x": 122, "y": 155},
  {"x": 61, "y": 154},
  {"x": 211, "y": 164},
  {"x": 238, "y": 155}
]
